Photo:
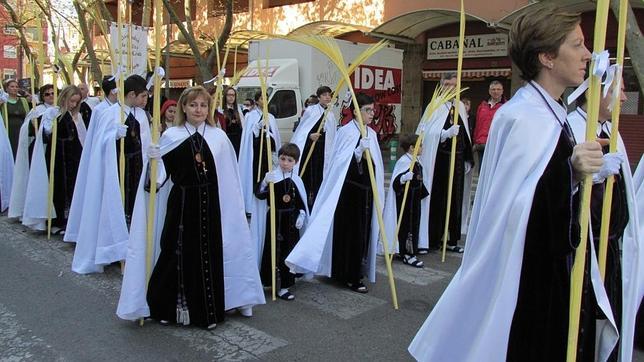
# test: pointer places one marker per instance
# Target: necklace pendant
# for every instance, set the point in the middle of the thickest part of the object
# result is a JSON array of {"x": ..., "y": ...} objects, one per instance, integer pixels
[
  {"x": 286, "y": 198},
  {"x": 198, "y": 157}
]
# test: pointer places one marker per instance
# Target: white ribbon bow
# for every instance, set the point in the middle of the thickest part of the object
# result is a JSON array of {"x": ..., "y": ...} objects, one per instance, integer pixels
[
  {"x": 614, "y": 75},
  {"x": 158, "y": 72},
  {"x": 601, "y": 61},
  {"x": 120, "y": 70},
  {"x": 4, "y": 96},
  {"x": 221, "y": 74}
]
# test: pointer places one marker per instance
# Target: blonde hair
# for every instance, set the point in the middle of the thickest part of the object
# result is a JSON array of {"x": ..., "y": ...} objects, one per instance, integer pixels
[
  {"x": 65, "y": 95},
  {"x": 187, "y": 96}
]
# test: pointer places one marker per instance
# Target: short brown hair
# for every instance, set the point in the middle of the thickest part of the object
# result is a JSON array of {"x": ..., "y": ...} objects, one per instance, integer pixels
[
  {"x": 407, "y": 141},
  {"x": 189, "y": 95},
  {"x": 539, "y": 30},
  {"x": 291, "y": 150}
]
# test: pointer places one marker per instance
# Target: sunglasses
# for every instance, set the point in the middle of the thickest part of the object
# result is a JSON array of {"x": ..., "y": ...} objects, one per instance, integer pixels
[{"x": 48, "y": 94}]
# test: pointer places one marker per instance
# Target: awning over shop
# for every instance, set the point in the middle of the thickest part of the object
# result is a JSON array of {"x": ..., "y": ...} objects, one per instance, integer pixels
[
  {"x": 469, "y": 73},
  {"x": 327, "y": 28}
]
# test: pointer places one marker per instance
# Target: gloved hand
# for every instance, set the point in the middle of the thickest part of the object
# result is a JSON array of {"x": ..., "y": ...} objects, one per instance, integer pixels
[
  {"x": 468, "y": 167},
  {"x": 121, "y": 131},
  {"x": 612, "y": 164},
  {"x": 47, "y": 125},
  {"x": 300, "y": 220},
  {"x": 257, "y": 127},
  {"x": 406, "y": 177},
  {"x": 449, "y": 133},
  {"x": 154, "y": 152},
  {"x": 586, "y": 159},
  {"x": 362, "y": 146},
  {"x": 273, "y": 176}
]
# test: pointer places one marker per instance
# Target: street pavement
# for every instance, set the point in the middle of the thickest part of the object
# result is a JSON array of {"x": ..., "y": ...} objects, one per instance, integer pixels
[{"x": 49, "y": 313}]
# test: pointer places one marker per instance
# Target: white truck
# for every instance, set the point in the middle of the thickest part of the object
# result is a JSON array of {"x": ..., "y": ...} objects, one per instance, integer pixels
[{"x": 295, "y": 71}]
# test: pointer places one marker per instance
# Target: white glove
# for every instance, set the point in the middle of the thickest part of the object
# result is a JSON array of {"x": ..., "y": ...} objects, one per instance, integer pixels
[
  {"x": 300, "y": 220},
  {"x": 612, "y": 164},
  {"x": 34, "y": 98},
  {"x": 362, "y": 146},
  {"x": 272, "y": 177},
  {"x": 154, "y": 152},
  {"x": 46, "y": 125},
  {"x": 406, "y": 177},
  {"x": 257, "y": 128},
  {"x": 468, "y": 167},
  {"x": 449, "y": 133},
  {"x": 121, "y": 131}
]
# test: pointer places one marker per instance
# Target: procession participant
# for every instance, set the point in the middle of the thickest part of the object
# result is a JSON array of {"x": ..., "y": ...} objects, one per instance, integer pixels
[
  {"x": 436, "y": 156},
  {"x": 253, "y": 145},
  {"x": 409, "y": 231},
  {"x": 86, "y": 104},
  {"x": 342, "y": 235},
  {"x": 247, "y": 106},
  {"x": 622, "y": 293},
  {"x": 206, "y": 263},
  {"x": 234, "y": 119},
  {"x": 17, "y": 109},
  {"x": 168, "y": 113},
  {"x": 6, "y": 168},
  {"x": 70, "y": 136},
  {"x": 307, "y": 134},
  {"x": 25, "y": 150},
  {"x": 524, "y": 228},
  {"x": 290, "y": 215}
]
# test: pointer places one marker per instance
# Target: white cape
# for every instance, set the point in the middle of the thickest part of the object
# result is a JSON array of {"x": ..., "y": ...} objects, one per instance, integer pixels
[
  {"x": 254, "y": 206},
  {"x": 241, "y": 275},
  {"x": 21, "y": 169},
  {"x": 431, "y": 141},
  {"x": 311, "y": 115},
  {"x": 96, "y": 126},
  {"x": 313, "y": 252},
  {"x": 632, "y": 256},
  {"x": 474, "y": 315},
  {"x": 6, "y": 167},
  {"x": 390, "y": 214}
]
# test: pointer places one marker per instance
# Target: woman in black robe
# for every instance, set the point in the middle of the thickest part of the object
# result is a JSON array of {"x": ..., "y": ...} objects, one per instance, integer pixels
[{"x": 233, "y": 118}]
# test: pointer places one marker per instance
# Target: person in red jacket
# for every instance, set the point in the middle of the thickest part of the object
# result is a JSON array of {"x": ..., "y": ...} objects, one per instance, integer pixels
[{"x": 484, "y": 115}]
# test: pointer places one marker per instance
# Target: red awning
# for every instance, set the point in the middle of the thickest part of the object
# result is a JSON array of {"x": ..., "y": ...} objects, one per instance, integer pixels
[{"x": 470, "y": 73}]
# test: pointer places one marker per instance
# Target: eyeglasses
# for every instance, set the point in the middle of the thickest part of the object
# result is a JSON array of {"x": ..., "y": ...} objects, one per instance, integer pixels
[
  {"x": 48, "y": 94},
  {"x": 368, "y": 110}
]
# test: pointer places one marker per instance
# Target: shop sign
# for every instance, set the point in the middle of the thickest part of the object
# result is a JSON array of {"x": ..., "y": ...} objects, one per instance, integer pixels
[{"x": 475, "y": 46}]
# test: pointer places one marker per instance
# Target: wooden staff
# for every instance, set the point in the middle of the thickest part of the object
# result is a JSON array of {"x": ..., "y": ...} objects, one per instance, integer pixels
[
  {"x": 577, "y": 276},
  {"x": 457, "y": 103},
  {"x": 149, "y": 250},
  {"x": 610, "y": 181},
  {"x": 271, "y": 186},
  {"x": 52, "y": 153}
]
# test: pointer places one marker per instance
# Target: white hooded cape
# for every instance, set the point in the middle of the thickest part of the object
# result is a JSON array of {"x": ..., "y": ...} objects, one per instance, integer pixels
[
  {"x": 254, "y": 206},
  {"x": 390, "y": 214},
  {"x": 632, "y": 259},
  {"x": 241, "y": 275},
  {"x": 311, "y": 115},
  {"x": 313, "y": 252},
  {"x": 6, "y": 167},
  {"x": 431, "y": 141},
  {"x": 473, "y": 317},
  {"x": 302, "y": 193},
  {"x": 21, "y": 169}
]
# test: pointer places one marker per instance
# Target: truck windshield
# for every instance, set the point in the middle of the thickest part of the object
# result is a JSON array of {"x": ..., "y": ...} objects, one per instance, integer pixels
[{"x": 249, "y": 93}]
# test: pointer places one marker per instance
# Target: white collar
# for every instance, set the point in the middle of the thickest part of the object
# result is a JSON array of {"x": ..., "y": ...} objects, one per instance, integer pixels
[{"x": 192, "y": 128}]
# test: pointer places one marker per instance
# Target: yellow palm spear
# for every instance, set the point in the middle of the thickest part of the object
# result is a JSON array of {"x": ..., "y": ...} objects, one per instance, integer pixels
[
  {"x": 359, "y": 60},
  {"x": 439, "y": 98},
  {"x": 608, "y": 193},
  {"x": 52, "y": 155},
  {"x": 330, "y": 48},
  {"x": 220, "y": 81},
  {"x": 271, "y": 187},
  {"x": 121, "y": 95}
]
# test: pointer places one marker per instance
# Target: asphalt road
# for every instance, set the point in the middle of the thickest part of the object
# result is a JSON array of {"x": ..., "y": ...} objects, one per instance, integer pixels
[{"x": 49, "y": 313}]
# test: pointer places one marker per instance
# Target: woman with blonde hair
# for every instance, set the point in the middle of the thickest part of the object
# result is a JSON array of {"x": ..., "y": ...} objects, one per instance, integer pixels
[{"x": 206, "y": 263}]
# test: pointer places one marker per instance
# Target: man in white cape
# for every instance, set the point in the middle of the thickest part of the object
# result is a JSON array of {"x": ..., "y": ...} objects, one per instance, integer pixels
[
  {"x": 252, "y": 129},
  {"x": 243, "y": 287},
  {"x": 313, "y": 253},
  {"x": 632, "y": 273},
  {"x": 473, "y": 318}
]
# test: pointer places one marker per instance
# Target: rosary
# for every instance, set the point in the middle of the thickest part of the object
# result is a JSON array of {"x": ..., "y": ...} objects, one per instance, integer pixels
[
  {"x": 287, "y": 188},
  {"x": 197, "y": 151}
]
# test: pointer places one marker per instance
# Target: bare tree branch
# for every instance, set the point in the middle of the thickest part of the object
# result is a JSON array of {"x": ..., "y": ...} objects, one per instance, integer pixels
[
  {"x": 89, "y": 42},
  {"x": 634, "y": 42}
]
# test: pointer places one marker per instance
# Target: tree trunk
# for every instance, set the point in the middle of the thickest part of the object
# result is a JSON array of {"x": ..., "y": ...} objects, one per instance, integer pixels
[
  {"x": 89, "y": 42},
  {"x": 634, "y": 42}
]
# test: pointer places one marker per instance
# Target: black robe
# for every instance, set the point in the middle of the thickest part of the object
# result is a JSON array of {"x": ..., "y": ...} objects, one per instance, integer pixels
[
  {"x": 352, "y": 224},
  {"x": 67, "y": 159},
  {"x": 189, "y": 272},
  {"x": 287, "y": 235},
  {"x": 539, "y": 330},
  {"x": 133, "y": 162},
  {"x": 233, "y": 128},
  {"x": 438, "y": 201},
  {"x": 260, "y": 165},
  {"x": 86, "y": 113},
  {"x": 312, "y": 176},
  {"x": 618, "y": 220},
  {"x": 408, "y": 232},
  {"x": 14, "y": 117}
]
